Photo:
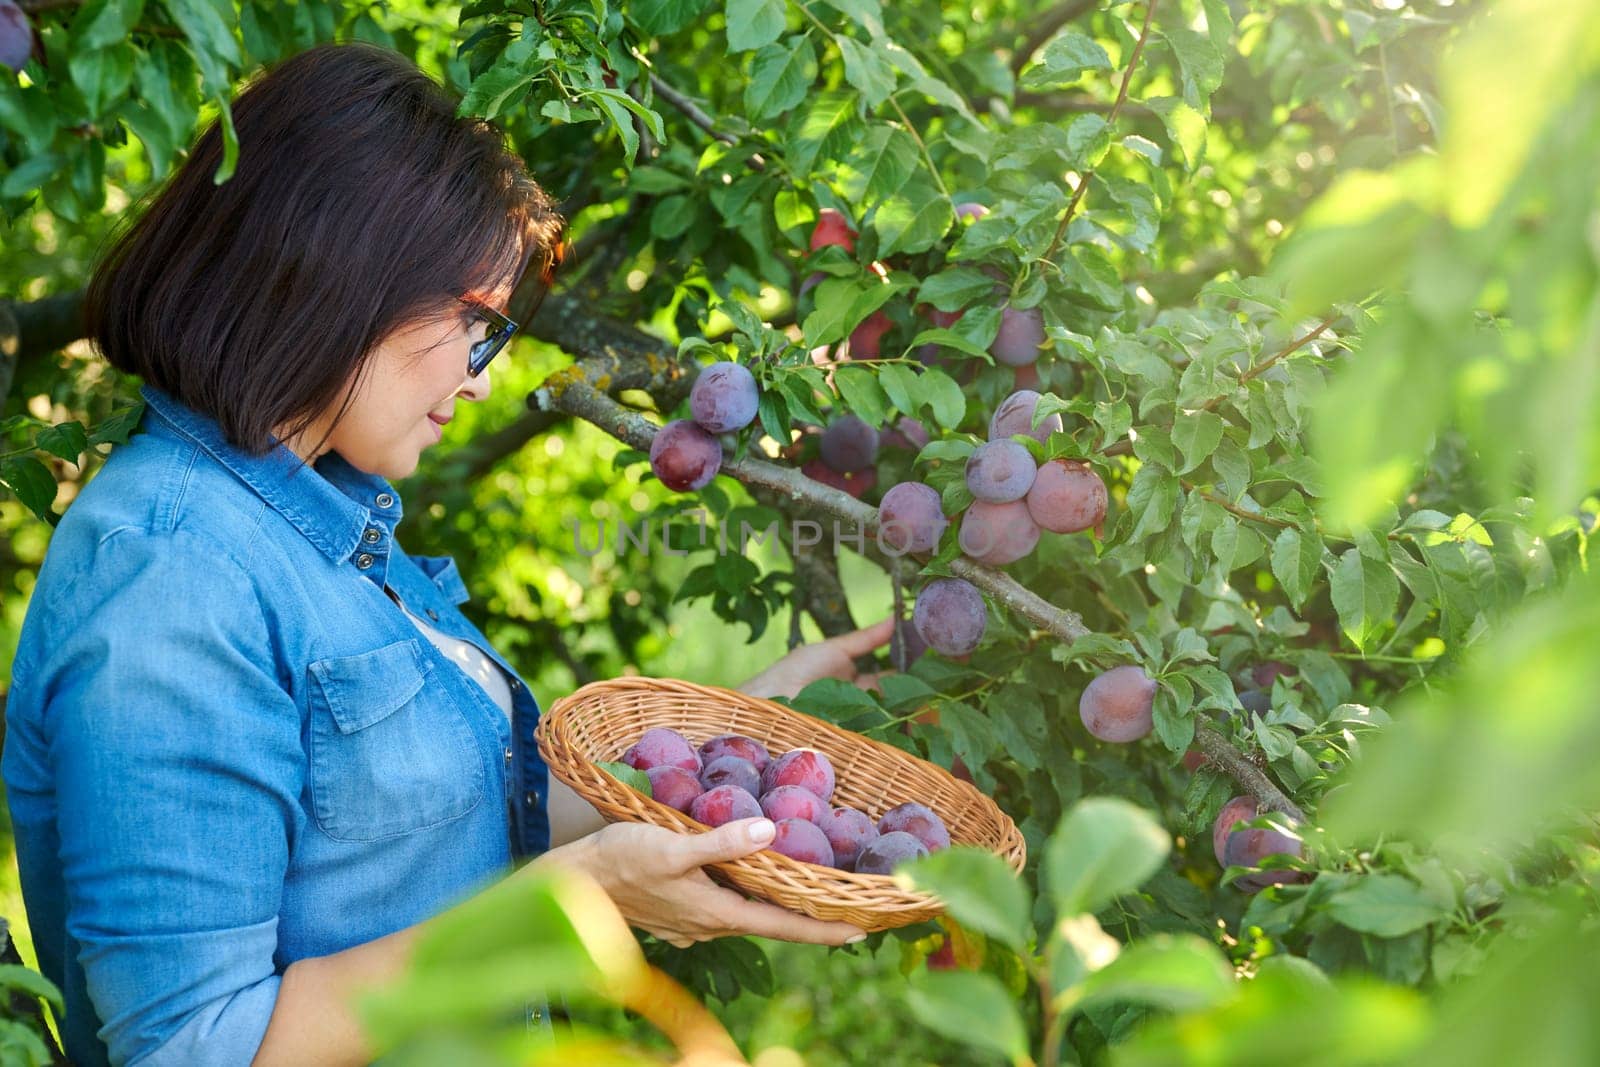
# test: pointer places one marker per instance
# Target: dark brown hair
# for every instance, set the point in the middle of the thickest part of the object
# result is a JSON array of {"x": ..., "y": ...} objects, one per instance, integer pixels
[{"x": 360, "y": 203}]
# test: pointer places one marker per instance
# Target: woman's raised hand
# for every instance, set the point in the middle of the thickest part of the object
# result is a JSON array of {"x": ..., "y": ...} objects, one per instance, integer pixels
[{"x": 653, "y": 876}]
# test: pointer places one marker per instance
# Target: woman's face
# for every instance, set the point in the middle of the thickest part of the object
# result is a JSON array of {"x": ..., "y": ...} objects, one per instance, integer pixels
[{"x": 417, "y": 371}]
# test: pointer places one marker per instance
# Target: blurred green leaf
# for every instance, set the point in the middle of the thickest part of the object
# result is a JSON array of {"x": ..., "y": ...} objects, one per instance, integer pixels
[{"x": 1104, "y": 847}]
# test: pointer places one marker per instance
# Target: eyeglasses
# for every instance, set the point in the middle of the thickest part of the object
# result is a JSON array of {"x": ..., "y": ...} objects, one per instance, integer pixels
[
  {"x": 502, "y": 328},
  {"x": 500, "y": 331}
]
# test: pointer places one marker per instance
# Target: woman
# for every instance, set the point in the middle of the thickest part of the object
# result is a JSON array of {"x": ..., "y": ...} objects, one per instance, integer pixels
[{"x": 252, "y": 744}]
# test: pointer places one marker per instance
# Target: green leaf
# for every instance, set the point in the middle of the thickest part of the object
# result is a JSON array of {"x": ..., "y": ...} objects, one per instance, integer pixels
[
  {"x": 868, "y": 14},
  {"x": 979, "y": 890},
  {"x": 1365, "y": 592},
  {"x": 66, "y": 440},
  {"x": 970, "y": 1007},
  {"x": 914, "y": 219},
  {"x": 100, "y": 23},
  {"x": 1152, "y": 499},
  {"x": 820, "y": 126},
  {"x": 780, "y": 74},
  {"x": 861, "y": 391},
  {"x": 117, "y": 427},
  {"x": 867, "y": 70},
  {"x": 944, "y": 397},
  {"x": 900, "y": 384},
  {"x": 954, "y": 288},
  {"x": 661, "y": 17},
  {"x": 1386, "y": 905},
  {"x": 672, "y": 216},
  {"x": 629, "y": 776},
  {"x": 1174, "y": 724},
  {"x": 1064, "y": 60},
  {"x": 1197, "y": 435},
  {"x": 1175, "y": 973},
  {"x": 1103, "y": 848},
  {"x": 102, "y": 75},
  {"x": 31, "y": 982},
  {"x": 33, "y": 484},
  {"x": 31, "y": 175},
  {"x": 829, "y": 318},
  {"x": 1200, "y": 63},
  {"x": 880, "y": 166},
  {"x": 207, "y": 24},
  {"x": 754, "y": 23},
  {"x": 1296, "y": 563}
]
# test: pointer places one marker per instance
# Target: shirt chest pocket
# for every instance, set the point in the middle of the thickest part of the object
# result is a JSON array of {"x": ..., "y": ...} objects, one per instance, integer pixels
[{"x": 391, "y": 750}]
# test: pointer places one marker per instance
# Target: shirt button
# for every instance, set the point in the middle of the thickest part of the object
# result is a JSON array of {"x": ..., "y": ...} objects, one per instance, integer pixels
[
  {"x": 384, "y": 500},
  {"x": 434, "y": 615},
  {"x": 364, "y": 560},
  {"x": 516, "y": 685},
  {"x": 508, "y": 755},
  {"x": 371, "y": 536},
  {"x": 530, "y": 800}
]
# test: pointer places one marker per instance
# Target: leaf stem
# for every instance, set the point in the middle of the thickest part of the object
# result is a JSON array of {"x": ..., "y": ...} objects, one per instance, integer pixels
[{"x": 1111, "y": 119}]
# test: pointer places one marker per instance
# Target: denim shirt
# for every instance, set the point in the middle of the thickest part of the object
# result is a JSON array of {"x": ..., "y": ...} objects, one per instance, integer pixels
[{"x": 227, "y": 749}]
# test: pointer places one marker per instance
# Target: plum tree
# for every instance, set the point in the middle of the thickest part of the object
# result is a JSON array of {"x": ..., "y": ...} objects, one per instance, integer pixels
[
  {"x": 1067, "y": 496},
  {"x": 724, "y": 398},
  {"x": 747, "y": 748},
  {"x": 674, "y": 786},
  {"x": 1021, "y": 335},
  {"x": 732, "y": 770},
  {"x": 849, "y": 445},
  {"x": 1119, "y": 704},
  {"x": 848, "y": 832},
  {"x": 833, "y": 229},
  {"x": 999, "y": 472},
  {"x": 890, "y": 850},
  {"x": 911, "y": 518},
  {"x": 803, "y": 840},
  {"x": 804, "y": 767},
  {"x": 684, "y": 456},
  {"x": 793, "y": 802},
  {"x": 1237, "y": 810},
  {"x": 1015, "y": 415},
  {"x": 723, "y": 804},
  {"x": 16, "y": 36},
  {"x": 660, "y": 747},
  {"x": 918, "y": 820},
  {"x": 997, "y": 534},
  {"x": 951, "y": 616},
  {"x": 866, "y": 338}
]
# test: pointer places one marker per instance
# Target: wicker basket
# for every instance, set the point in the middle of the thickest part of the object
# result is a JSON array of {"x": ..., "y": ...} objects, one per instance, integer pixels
[{"x": 600, "y": 721}]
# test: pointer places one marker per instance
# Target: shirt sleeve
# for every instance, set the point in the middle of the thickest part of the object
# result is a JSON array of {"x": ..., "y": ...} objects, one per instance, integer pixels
[{"x": 179, "y": 768}]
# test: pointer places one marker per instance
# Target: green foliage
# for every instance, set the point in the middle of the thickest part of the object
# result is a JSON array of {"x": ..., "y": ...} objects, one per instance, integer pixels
[{"x": 1369, "y": 457}]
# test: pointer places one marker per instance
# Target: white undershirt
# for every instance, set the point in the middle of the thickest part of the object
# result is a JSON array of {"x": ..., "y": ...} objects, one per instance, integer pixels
[
  {"x": 570, "y": 815},
  {"x": 470, "y": 659}
]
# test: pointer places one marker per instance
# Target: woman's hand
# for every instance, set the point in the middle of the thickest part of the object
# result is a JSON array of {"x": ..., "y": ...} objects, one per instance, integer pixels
[
  {"x": 833, "y": 658},
  {"x": 653, "y": 876}
]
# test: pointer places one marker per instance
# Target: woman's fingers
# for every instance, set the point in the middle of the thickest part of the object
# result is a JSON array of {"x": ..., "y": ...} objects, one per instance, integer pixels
[
  {"x": 859, "y": 642},
  {"x": 727, "y": 842},
  {"x": 768, "y": 920}
]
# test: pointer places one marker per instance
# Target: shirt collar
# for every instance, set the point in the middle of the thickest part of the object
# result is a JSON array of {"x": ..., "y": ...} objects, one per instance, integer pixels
[{"x": 332, "y": 503}]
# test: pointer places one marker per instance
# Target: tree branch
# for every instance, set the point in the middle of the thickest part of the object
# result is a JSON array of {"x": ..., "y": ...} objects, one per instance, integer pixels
[
  {"x": 1111, "y": 119},
  {"x": 1220, "y": 751}
]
